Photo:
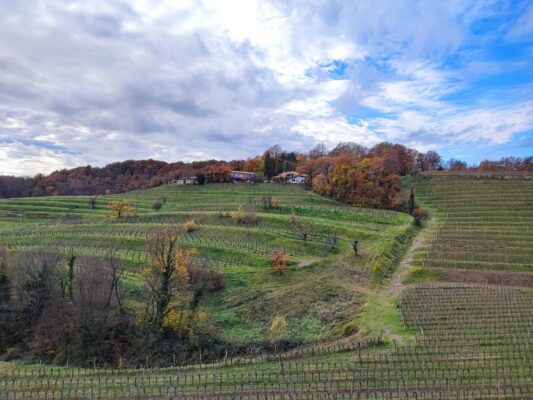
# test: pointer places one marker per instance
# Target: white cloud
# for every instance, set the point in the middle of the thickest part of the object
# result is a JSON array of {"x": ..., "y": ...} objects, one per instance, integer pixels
[{"x": 97, "y": 81}]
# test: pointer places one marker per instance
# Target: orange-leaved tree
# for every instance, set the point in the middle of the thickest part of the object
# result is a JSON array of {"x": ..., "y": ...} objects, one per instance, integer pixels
[
  {"x": 120, "y": 208},
  {"x": 279, "y": 260}
]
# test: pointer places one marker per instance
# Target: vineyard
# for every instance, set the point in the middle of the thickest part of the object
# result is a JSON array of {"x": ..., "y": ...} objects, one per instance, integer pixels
[
  {"x": 450, "y": 340},
  {"x": 472, "y": 343},
  {"x": 487, "y": 223},
  {"x": 252, "y": 294}
]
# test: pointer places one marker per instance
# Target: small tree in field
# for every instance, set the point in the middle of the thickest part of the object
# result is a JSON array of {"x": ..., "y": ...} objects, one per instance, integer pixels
[
  {"x": 303, "y": 230},
  {"x": 120, "y": 208},
  {"x": 279, "y": 260},
  {"x": 355, "y": 247},
  {"x": 156, "y": 206},
  {"x": 245, "y": 215},
  {"x": 277, "y": 330},
  {"x": 189, "y": 226}
]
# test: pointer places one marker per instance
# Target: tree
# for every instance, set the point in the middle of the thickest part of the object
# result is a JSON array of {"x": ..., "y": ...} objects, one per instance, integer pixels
[
  {"x": 162, "y": 275},
  {"x": 279, "y": 260},
  {"x": 419, "y": 215},
  {"x": 317, "y": 152},
  {"x": 36, "y": 275},
  {"x": 411, "y": 203},
  {"x": 277, "y": 330},
  {"x": 120, "y": 208},
  {"x": 245, "y": 214},
  {"x": 355, "y": 247},
  {"x": 268, "y": 165},
  {"x": 331, "y": 242},
  {"x": 200, "y": 179},
  {"x": 302, "y": 229},
  {"x": 157, "y": 205}
]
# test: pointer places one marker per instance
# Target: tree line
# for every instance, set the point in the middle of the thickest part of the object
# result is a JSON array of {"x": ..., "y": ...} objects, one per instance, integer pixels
[{"x": 349, "y": 172}]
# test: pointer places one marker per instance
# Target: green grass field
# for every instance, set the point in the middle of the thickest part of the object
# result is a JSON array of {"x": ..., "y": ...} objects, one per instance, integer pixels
[
  {"x": 425, "y": 333},
  {"x": 318, "y": 295}
]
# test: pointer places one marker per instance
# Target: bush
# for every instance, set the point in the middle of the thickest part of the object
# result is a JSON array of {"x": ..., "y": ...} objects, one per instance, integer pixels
[
  {"x": 279, "y": 260},
  {"x": 157, "y": 205},
  {"x": 420, "y": 215},
  {"x": 349, "y": 328},
  {"x": 245, "y": 215},
  {"x": 189, "y": 226}
]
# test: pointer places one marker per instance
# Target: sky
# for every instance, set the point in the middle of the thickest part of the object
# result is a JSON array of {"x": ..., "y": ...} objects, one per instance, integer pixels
[{"x": 97, "y": 81}]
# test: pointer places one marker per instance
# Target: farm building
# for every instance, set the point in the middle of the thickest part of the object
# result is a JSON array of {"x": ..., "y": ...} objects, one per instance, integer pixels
[
  {"x": 242, "y": 176},
  {"x": 186, "y": 180},
  {"x": 290, "y": 177}
]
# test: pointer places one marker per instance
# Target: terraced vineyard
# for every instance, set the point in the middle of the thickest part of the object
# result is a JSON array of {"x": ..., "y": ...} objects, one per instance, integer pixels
[
  {"x": 487, "y": 222},
  {"x": 253, "y": 295},
  {"x": 458, "y": 340}
]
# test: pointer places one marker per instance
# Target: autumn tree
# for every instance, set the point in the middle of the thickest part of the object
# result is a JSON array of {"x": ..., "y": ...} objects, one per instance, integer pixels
[
  {"x": 277, "y": 330},
  {"x": 120, "y": 208},
  {"x": 162, "y": 276},
  {"x": 279, "y": 259},
  {"x": 317, "y": 152}
]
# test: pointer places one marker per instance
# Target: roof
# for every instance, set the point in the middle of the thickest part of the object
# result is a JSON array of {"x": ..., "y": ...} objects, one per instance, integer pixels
[
  {"x": 289, "y": 174},
  {"x": 243, "y": 172}
]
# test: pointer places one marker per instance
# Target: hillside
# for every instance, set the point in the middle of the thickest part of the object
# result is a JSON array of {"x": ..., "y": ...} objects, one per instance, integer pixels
[
  {"x": 446, "y": 332},
  {"x": 485, "y": 227},
  {"x": 320, "y": 293}
]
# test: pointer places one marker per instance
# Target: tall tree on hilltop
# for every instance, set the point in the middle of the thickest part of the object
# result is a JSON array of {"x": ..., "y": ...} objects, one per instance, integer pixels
[{"x": 268, "y": 165}]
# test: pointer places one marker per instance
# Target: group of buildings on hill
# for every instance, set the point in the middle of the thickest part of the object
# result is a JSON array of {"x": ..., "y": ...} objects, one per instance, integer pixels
[{"x": 247, "y": 177}]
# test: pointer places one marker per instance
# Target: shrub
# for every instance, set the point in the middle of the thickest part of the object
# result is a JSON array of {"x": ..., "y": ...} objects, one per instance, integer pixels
[
  {"x": 157, "y": 205},
  {"x": 189, "y": 226},
  {"x": 277, "y": 330},
  {"x": 275, "y": 202},
  {"x": 279, "y": 260},
  {"x": 245, "y": 215},
  {"x": 420, "y": 215},
  {"x": 349, "y": 328}
]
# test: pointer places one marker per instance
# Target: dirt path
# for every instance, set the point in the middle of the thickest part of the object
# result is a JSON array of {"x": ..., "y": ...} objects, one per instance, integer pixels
[{"x": 395, "y": 285}]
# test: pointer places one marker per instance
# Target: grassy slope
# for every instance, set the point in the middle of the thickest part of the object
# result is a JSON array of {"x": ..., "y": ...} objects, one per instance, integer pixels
[
  {"x": 380, "y": 312},
  {"x": 318, "y": 295}
]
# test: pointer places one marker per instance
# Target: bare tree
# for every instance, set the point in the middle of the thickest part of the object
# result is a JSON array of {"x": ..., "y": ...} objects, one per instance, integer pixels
[
  {"x": 92, "y": 202},
  {"x": 35, "y": 276},
  {"x": 302, "y": 229},
  {"x": 331, "y": 242}
]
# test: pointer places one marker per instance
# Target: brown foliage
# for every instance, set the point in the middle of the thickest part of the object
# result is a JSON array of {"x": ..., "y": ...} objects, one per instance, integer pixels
[
  {"x": 279, "y": 260},
  {"x": 189, "y": 226}
]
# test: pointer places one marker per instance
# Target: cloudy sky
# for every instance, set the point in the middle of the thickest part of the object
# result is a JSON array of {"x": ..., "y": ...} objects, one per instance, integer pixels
[{"x": 96, "y": 81}]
